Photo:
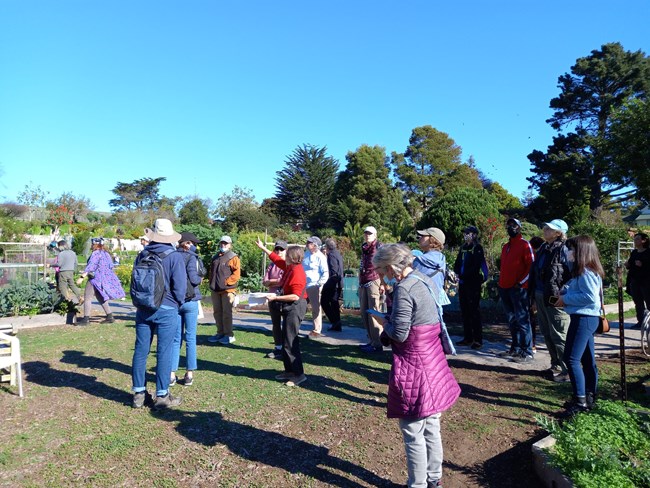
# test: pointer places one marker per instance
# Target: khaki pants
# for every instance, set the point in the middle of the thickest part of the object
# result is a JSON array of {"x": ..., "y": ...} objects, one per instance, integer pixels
[
  {"x": 369, "y": 298},
  {"x": 222, "y": 303},
  {"x": 313, "y": 293},
  {"x": 68, "y": 288}
]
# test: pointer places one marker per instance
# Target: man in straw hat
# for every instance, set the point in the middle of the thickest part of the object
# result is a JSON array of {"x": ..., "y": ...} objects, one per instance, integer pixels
[{"x": 162, "y": 321}]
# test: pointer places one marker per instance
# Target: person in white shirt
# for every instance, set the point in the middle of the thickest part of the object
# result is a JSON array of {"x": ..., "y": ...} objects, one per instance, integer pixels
[{"x": 315, "y": 266}]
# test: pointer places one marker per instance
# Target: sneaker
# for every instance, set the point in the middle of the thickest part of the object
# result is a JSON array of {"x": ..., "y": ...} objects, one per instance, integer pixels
[
  {"x": 167, "y": 401},
  {"x": 284, "y": 376},
  {"x": 591, "y": 400},
  {"x": 334, "y": 328},
  {"x": 141, "y": 398},
  {"x": 464, "y": 342},
  {"x": 296, "y": 380},
  {"x": 572, "y": 409},
  {"x": 554, "y": 371},
  {"x": 274, "y": 354},
  {"x": 522, "y": 358},
  {"x": 173, "y": 380},
  {"x": 109, "y": 319},
  {"x": 434, "y": 484},
  {"x": 225, "y": 340},
  {"x": 188, "y": 380},
  {"x": 507, "y": 354},
  {"x": 477, "y": 345},
  {"x": 363, "y": 346},
  {"x": 534, "y": 348},
  {"x": 313, "y": 334},
  {"x": 83, "y": 321},
  {"x": 561, "y": 378},
  {"x": 370, "y": 349},
  {"x": 215, "y": 338}
]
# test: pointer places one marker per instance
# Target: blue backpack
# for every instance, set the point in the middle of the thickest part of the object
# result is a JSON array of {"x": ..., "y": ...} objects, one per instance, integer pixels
[{"x": 148, "y": 279}]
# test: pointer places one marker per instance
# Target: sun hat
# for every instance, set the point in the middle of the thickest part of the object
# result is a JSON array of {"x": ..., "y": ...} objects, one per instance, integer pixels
[
  {"x": 162, "y": 232},
  {"x": 559, "y": 225},
  {"x": 434, "y": 232},
  {"x": 370, "y": 230},
  {"x": 188, "y": 236}
]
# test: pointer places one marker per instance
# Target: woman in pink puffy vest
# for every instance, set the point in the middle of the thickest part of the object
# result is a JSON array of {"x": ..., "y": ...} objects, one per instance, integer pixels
[{"x": 421, "y": 385}]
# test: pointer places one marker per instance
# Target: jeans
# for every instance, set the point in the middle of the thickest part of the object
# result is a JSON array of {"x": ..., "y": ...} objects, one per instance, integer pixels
[
  {"x": 369, "y": 297},
  {"x": 515, "y": 304},
  {"x": 579, "y": 354},
  {"x": 554, "y": 324},
  {"x": 186, "y": 331},
  {"x": 162, "y": 322},
  {"x": 423, "y": 445}
]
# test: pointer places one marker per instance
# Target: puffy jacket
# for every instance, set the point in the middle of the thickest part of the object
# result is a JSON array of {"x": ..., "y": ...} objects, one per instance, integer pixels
[
  {"x": 552, "y": 269},
  {"x": 420, "y": 383},
  {"x": 516, "y": 259}
]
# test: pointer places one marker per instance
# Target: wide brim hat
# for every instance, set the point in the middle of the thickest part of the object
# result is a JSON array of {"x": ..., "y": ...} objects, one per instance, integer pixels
[{"x": 162, "y": 232}]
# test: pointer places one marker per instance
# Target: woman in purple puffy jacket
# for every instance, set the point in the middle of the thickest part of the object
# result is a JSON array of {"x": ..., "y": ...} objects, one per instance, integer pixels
[{"x": 421, "y": 385}]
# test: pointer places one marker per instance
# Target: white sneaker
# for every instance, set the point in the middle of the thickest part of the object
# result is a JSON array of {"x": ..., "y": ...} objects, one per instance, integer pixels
[
  {"x": 215, "y": 338},
  {"x": 227, "y": 340}
]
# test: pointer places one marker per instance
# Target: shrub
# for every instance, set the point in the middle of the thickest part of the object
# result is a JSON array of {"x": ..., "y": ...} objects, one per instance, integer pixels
[{"x": 123, "y": 272}]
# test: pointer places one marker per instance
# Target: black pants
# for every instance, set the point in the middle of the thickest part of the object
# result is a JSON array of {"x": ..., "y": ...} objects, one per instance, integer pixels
[
  {"x": 292, "y": 315},
  {"x": 469, "y": 296},
  {"x": 641, "y": 296},
  {"x": 276, "y": 320},
  {"x": 329, "y": 300}
]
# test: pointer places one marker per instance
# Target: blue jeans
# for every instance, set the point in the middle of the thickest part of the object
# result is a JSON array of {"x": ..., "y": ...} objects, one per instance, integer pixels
[
  {"x": 515, "y": 304},
  {"x": 579, "y": 354},
  {"x": 162, "y": 322},
  {"x": 186, "y": 331}
]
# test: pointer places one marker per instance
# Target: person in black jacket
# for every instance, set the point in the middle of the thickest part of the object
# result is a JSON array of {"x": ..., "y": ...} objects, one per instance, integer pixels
[
  {"x": 472, "y": 271},
  {"x": 638, "y": 275},
  {"x": 333, "y": 288}
]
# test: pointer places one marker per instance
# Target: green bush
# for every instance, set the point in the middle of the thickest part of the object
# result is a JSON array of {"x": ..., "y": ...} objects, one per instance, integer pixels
[
  {"x": 610, "y": 446},
  {"x": 28, "y": 299},
  {"x": 123, "y": 272}
]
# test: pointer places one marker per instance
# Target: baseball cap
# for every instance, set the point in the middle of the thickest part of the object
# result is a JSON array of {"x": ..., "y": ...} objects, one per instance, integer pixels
[
  {"x": 281, "y": 244},
  {"x": 370, "y": 229},
  {"x": 559, "y": 225},
  {"x": 315, "y": 240},
  {"x": 226, "y": 239},
  {"x": 470, "y": 229},
  {"x": 188, "y": 236},
  {"x": 433, "y": 232},
  {"x": 516, "y": 221}
]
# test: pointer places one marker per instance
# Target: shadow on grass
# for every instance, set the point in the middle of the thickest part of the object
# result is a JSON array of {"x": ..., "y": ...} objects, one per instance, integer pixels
[{"x": 271, "y": 448}]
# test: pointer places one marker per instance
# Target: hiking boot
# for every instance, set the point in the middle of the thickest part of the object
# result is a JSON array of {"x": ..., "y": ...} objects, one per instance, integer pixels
[
  {"x": 83, "y": 321},
  {"x": 287, "y": 375},
  {"x": 335, "y": 327},
  {"x": 522, "y": 358},
  {"x": 167, "y": 401},
  {"x": 578, "y": 405},
  {"x": 591, "y": 400},
  {"x": 476, "y": 345},
  {"x": 507, "y": 354},
  {"x": 215, "y": 338},
  {"x": 561, "y": 378},
  {"x": 225, "y": 340},
  {"x": 141, "y": 398},
  {"x": 296, "y": 380},
  {"x": 109, "y": 319}
]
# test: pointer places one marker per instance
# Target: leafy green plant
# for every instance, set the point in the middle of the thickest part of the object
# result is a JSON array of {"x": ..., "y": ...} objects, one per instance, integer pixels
[
  {"x": 123, "y": 272},
  {"x": 28, "y": 299},
  {"x": 608, "y": 447}
]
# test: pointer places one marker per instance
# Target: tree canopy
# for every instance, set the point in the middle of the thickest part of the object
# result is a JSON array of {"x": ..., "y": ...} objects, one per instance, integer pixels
[
  {"x": 305, "y": 186},
  {"x": 577, "y": 164}
]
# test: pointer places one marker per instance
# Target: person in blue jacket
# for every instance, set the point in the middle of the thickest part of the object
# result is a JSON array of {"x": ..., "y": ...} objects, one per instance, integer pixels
[{"x": 581, "y": 299}]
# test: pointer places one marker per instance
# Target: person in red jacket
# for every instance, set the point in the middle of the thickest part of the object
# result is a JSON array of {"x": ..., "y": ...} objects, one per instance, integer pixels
[{"x": 516, "y": 260}]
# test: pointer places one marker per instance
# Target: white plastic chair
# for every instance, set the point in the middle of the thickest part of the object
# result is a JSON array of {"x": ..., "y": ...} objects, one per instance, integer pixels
[{"x": 10, "y": 358}]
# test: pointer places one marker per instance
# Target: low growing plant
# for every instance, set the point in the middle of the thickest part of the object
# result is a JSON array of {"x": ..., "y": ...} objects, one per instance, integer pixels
[
  {"x": 610, "y": 446},
  {"x": 28, "y": 299}
]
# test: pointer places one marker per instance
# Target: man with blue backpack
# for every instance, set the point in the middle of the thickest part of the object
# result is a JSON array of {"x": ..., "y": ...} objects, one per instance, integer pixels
[{"x": 158, "y": 286}]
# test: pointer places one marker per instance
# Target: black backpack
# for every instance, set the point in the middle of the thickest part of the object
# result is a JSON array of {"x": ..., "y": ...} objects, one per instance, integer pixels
[
  {"x": 200, "y": 269},
  {"x": 148, "y": 279}
]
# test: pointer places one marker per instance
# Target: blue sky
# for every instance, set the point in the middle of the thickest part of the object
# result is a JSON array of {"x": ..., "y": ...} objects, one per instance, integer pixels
[{"x": 214, "y": 94}]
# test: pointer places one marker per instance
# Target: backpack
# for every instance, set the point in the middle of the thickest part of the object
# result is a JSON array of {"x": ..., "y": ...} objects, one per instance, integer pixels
[
  {"x": 200, "y": 269},
  {"x": 148, "y": 279}
]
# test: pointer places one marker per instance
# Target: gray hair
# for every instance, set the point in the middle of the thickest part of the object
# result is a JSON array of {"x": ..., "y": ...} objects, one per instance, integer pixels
[
  {"x": 64, "y": 245},
  {"x": 330, "y": 244},
  {"x": 397, "y": 256}
]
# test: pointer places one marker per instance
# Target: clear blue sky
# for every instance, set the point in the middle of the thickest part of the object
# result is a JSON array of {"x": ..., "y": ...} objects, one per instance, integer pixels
[{"x": 213, "y": 94}]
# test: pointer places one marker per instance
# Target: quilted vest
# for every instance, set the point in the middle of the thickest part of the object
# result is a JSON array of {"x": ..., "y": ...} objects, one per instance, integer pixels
[{"x": 420, "y": 383}]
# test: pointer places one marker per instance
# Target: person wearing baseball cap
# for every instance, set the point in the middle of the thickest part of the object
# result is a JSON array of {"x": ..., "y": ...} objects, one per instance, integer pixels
[
  {"x": 370, "y": 291},
  {"x": 315, "y": 265},
  {"x": 550, "y": 272},
  {"x": 472, "y": 272},
  {"x": 225, "y": 272},
  {"x": 273, "y": 281},
  {"x": 516, "y": 260},
  {"x": 432, "y": 262}
]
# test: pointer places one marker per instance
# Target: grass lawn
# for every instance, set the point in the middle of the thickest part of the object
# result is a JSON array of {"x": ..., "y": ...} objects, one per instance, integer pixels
[{"x": 237, "y": 426}]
